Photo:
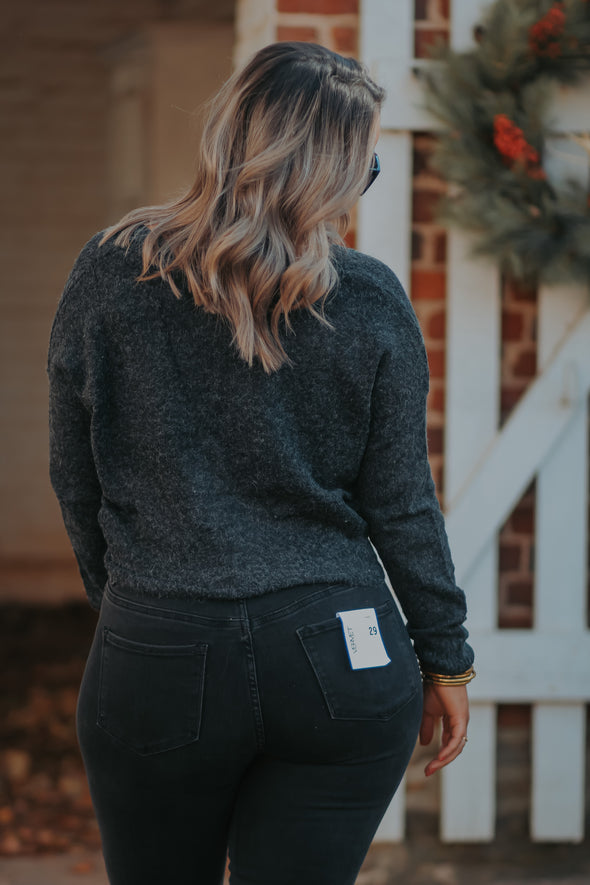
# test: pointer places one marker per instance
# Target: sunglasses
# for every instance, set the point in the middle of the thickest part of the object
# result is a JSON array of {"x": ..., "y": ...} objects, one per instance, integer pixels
[{"x": 373, "y": 173}]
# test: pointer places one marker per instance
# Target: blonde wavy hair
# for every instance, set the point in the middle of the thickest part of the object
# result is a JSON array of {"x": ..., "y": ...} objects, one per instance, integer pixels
[{"x": 285, "y": 153}]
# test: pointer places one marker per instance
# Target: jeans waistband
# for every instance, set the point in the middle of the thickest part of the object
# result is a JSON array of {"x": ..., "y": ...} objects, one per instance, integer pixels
[{"x": 256, "y": 606}]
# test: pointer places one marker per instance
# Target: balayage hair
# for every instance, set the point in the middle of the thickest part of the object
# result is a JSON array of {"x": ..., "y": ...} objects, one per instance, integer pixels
[{"x": 285, "y": 153}]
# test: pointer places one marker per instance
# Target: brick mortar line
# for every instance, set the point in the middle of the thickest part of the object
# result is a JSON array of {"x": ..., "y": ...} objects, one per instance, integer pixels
[
  {"x": 313, "y": 19},
  {"x": 323, "y": 25}
]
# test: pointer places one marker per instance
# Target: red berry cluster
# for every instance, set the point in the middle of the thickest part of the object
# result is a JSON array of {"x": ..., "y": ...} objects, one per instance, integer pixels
[
  {"x": 545, "y": 35},
  {"x": 514, "y": 148}
]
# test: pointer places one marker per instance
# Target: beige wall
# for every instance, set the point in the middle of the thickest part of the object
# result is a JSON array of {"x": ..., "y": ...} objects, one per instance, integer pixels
[
  {"x": 159, "y": 81},
  {"x": 88, "y": 97}
]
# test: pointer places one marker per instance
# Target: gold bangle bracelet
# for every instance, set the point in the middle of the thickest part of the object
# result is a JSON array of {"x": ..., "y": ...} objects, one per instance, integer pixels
[
  {"x": 448, "y": 675},
  {"x": 465, "y": 681},
  {"x": 443, "y": 679}
]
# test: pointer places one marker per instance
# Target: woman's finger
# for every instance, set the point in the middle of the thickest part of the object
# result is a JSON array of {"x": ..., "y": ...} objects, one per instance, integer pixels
[
  {"x": 453, "y": 738},
  {"x": 449, "y": 752},
  {"x": 437, "y": 763},
  {"x": 426, "y": 729},
  {"x": 456, "y": 745}
]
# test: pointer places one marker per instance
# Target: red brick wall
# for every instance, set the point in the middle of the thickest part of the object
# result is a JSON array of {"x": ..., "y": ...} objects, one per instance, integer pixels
[
  {"x": 428, "y": 292},
  {"x": 428, "y": 282},
  {"x": 333, "y": 23},
  {"x": 431, "y": 25}
]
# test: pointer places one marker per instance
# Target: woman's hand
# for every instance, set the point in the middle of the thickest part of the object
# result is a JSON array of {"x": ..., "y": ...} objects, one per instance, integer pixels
[{"x": 450, "y": 703}]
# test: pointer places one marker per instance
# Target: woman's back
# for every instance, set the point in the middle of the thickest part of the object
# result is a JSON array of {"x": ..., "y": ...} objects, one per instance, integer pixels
[{"x": 218, "y": 479}]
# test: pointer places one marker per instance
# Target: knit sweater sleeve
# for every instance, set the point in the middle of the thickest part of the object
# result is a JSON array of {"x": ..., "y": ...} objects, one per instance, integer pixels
[
  {"x": 397, "y": 498},
  {"x": 71, "y": 464}
]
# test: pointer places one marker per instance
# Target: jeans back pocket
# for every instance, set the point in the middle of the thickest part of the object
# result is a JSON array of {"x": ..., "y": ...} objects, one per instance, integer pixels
[
  {"x": 372, "y": 693},
  {"x": 150, "y": 696}
]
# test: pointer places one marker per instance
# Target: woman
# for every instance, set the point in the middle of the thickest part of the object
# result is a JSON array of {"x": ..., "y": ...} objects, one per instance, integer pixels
[{"x": 230, "y": 434}]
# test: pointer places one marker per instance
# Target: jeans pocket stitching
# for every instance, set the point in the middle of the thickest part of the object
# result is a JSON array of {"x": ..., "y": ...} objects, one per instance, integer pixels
[
  {"x": 197, "y": 651},
  {"x": 308, "y": 633}
]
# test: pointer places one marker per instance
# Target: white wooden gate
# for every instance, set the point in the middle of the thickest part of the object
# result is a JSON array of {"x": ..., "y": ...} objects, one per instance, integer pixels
[{"x": 487, "y": 470}]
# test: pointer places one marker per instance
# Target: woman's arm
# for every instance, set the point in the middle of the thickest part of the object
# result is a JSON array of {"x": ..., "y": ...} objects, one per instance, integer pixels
[
  {"x": 396, "y": 496},
  {"x": 71, "y": 464}
]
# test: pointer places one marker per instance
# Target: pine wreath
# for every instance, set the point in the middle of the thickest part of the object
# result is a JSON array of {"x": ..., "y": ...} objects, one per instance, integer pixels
[{"x": 494, "y": 102}]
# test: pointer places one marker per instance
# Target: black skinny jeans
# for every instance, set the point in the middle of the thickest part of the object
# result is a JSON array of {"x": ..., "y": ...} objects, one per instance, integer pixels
[{"x": 215, "y": 725}]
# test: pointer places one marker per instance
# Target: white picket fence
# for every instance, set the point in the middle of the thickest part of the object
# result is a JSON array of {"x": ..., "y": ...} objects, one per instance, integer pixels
[{"x": 487, "y": 470}]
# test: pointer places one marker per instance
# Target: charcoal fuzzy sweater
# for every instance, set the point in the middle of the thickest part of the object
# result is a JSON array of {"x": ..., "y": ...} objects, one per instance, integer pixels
[{"x": 181, "y": 471}]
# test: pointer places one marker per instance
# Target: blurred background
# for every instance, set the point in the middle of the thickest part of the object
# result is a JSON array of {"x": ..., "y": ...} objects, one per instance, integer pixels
[{"x": 101, "y": 113}]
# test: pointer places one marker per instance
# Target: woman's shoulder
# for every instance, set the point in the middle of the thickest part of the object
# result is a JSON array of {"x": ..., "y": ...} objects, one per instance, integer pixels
[
  {"x": 110, "y": 255},
  {"x": 374, "y": 287},
  {"x": 101, "y": 254},
  {"x": 101, "y": 274},
  {"x": 357, "y": 266}
]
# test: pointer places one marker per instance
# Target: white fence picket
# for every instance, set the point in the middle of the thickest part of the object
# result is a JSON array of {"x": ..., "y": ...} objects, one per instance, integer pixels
[
  {"x": 509, "y": 465},
  {"x": 559, "y": 750},
  {"x": 473, "y": 331},
  {"x": 525, "y": 666},
  {"x": 558, "y": 756},
  {"x": 386, "y": 31},
  {"x": 465, "y": 14},
  {"x": 468, "y": 804},
  {"x": 384, "y": 213},
  {"x": 486, "y": 471},
  {"x": 393, "y": 825},
  {"x": 473, "y": 362}
]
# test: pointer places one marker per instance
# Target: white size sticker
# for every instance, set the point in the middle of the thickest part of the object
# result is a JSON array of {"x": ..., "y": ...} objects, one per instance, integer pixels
[{"x": 363, "y": 639}]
